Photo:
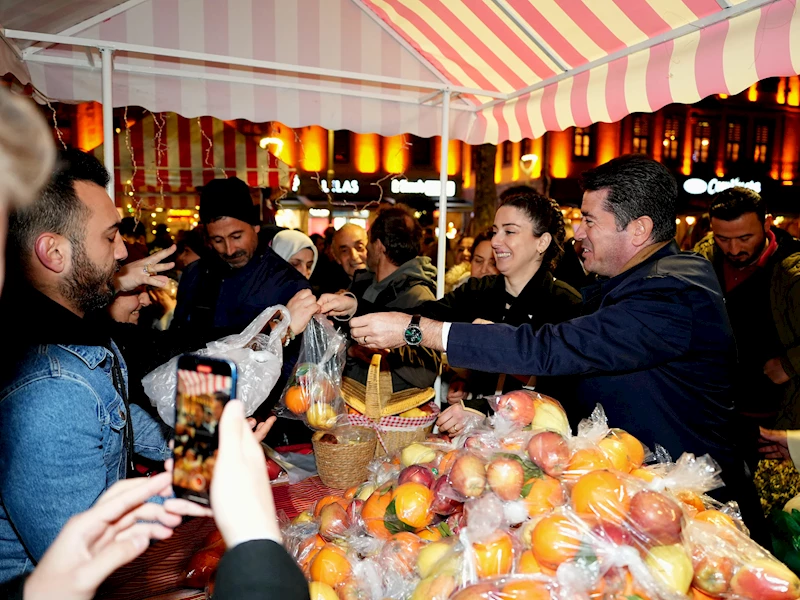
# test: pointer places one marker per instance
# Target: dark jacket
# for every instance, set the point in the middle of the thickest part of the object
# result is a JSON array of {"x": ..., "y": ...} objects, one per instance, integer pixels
[
  {"x": 412, "y": 284},
  {"x": 784, "y": 312},
  {"x": 214, "y": 296},
  {"x": 259, "y": 570},
  {"x": 655, "y": 349},
  {"x": 543, "y": 300}
]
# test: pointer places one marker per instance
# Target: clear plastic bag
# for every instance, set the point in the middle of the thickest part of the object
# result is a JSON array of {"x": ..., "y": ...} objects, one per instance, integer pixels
[
  {"x": 313, "y": 393},
  {"x": 258, "y": 358}
]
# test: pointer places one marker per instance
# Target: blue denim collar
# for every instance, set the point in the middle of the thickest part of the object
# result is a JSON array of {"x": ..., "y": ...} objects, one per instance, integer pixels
[{"x": 91, "y": 355}]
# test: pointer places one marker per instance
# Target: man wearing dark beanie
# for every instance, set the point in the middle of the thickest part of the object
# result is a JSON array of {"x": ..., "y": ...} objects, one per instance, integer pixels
[{"x": 225, "y": 290}]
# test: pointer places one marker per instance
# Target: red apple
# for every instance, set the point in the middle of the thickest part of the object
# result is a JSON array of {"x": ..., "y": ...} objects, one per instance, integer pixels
[
  {"x": 446, "y": 500},
  {"x": 657, "y": 517},
  {"x": 468, "y": 475},
  {"x": 712, "y": 574},
  {"x": 333, "y": 522},
  {"x": 474, "y": 442},
  {"x": 354, "y": 511},
  {"x": 549, "y": 451},
  {"x": 427, "y": 408},
  {"x": 506, "y": 478},
  {"x": 273, "y": 469},
  {"x": 201, "y": 566},
  {"x": 456, "y": 521},
  {"x": 478, "y": 591},
  {"x": 418, "y": 474},
  {"x": 517, "y": 407},
  {"x": 766, "y": 580},
  {"x": 613, "y": 533}
]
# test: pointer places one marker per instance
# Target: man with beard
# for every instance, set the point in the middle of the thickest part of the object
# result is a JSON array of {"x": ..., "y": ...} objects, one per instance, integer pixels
[
  {"x": 758, "y": 267},
  {"x": 68, "y": 429}
]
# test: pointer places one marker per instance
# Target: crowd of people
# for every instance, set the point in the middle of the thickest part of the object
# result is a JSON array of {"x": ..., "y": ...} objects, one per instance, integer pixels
[{"x": 696, "y": 352}]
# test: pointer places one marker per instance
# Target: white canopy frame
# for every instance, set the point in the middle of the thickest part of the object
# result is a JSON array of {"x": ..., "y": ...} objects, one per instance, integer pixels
[{"x": 441, "y": 91}]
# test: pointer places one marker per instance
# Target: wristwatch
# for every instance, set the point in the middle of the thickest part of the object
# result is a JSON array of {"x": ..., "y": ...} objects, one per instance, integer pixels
[{"x": 413, "y": 333}]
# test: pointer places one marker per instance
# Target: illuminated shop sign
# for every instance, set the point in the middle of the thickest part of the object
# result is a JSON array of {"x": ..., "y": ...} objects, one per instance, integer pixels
[
  {"x": 338, "y": 186},
  {"x": 698, "y": 186},
  {"x": 428, "y": 187}
]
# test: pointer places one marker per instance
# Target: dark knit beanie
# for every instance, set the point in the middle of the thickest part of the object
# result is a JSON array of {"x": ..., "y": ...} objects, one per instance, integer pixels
[{"x": 227, "y": 198}]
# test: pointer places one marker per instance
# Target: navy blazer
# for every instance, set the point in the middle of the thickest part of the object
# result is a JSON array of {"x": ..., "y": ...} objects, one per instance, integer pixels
[{"x": 656, "y": 349}]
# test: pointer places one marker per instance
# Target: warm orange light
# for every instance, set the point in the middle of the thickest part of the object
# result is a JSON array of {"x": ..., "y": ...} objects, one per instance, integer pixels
[
  {"x": 774, "y": 173},
  {"x": 607, "y": 141},
  {"x": 453, "y": 157},
  {"x": 560, "y": 153},
  {"x": 752, "y": 93},
  {"x": 515, "y": 148},
  {"x": 723, "y": 96},
  {"x": 793, "y": 98},
  {"x": 787, "y": 183},
  {"x": 537, "y": 148},
  {"x": 315, "y": 148},
  {"x": 498, "y": 164},
  {"x": 367, "y": 152},
  {"x": 780, "y": 97},
  {"x": 288, "y": 150},
  {"x": 466, "y": 164},
  {"x": 719, "y": 172},
  {"x": 89, "y": 129},
  {"x": 395, "y": 154}
]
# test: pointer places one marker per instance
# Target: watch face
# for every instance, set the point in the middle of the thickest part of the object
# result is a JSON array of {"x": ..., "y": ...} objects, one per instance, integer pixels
[{"x": 413, "y": 335}]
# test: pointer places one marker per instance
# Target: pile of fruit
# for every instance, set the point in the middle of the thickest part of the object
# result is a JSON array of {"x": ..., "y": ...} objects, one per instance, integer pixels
[{"x": 520, "y": 508}]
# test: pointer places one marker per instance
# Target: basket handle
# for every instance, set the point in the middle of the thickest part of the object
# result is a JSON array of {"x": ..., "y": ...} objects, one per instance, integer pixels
[{"x": 372, "y": 401}]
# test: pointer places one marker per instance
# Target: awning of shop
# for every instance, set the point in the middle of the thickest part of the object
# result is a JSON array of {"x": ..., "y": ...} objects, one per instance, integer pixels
[
  {"x": 515, "y": 68},
  {"x": 164, "y": 158}
]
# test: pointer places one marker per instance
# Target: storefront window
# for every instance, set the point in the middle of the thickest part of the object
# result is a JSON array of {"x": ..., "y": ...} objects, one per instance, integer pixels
[
  {"x": 341, "y": 147},
  {"x": 527, "y": 147},
  {"x": 761, "y": 148},
  {"x": 582, "y": 142},
  {"x": 507, "y": 153},
  {"x": 641, "y": 134},
  {"x": 701, "y": 143},
  {"x": 733, "y": 141},
  {"x": 672, "y": 136}
]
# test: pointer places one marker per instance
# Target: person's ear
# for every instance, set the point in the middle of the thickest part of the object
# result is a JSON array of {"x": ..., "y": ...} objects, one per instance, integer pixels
[
  {"x": 544, "y": 242},
  {"x": 256, "y": 228},
  {"x": 379, "y": 247},
  {"x": 53, "y": 251},
  {"x": 642, "y": 229}
]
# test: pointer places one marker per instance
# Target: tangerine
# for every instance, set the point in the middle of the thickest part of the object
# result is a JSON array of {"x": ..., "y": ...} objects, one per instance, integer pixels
[
  {"x": 545, "y": 494},
  {"x": 330, "y": 566},
  {"x": 412, "y": 504},
  {"x": 635, "y": 447},
  {"x": 494, "y": 556},
  {"x": 296, "y": 400},
  {"x": 585, "y": 461},
  {"x": 715, "y": 517},
  {"x": 400, "y": 553},
  {"x": 616, "y": 452},
  {"x": 555, "y": 539},
  {"x": 525, "y": 590},
  {"x": 325, "y": 500},
  {"x": 430, "y": 535},
  {"x": 692, "y": 502},
  {"x": 373, "y": 513},
  {"x": 447, "y": 461},
  {"x": 528, "y": 563},
  {"x": 644, "y": 474},
  {"x": 601, "y": 493}
]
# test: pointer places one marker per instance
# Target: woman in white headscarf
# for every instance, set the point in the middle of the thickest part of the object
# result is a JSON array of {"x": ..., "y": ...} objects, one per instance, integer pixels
[{"x": 297, "y": 249}]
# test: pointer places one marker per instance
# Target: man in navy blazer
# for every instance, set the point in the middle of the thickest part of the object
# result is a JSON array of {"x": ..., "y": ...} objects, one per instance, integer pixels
[{"x": 654, "y": 346}]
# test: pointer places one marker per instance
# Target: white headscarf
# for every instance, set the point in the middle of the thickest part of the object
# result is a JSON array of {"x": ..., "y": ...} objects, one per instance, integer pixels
[{"x": 289, "y": 242}]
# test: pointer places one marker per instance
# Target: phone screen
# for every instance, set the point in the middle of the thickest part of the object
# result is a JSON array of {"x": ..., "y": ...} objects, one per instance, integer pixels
[{"x": 204, "y": 387}]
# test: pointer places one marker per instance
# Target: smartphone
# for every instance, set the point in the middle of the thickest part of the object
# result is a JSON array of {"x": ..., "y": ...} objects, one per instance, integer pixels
[{"x": 204, "y": 387}]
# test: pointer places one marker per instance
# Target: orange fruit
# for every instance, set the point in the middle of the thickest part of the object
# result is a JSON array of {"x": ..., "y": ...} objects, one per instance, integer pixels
[
  {"x": 698, "y": 595},
  {"x": 296, "y": 400},
  {"x": 400, "y": 553},
  {"x": 447, "y": 461},
  {"x": 528, "y": 563},
  {"x": 545, "y": 494},
  {"x": 412, "y": 504},
  {"x": 430, "y": 534},
  {"x": 350, "y": 493},
  {"x": 635, "y": 447},
  {"x": 692, "y": 502},
  {"x": 555, "y": 539},
  {"x": 525, "y": 590},
  {"x": 307, "y": 547},
  {"x": 617, "y": 453},
  {"x": 643, "y": 474},
  {"x": 325, "y": 500},
  {"x": 373, "y": 513},
  {"x": 715, "y": 517},
  {"x": 584, "y": 461},
  {"x": 602, "y": 494},
  {"x": 494, "y": 556},
  {"x": 330, "y": 566}
]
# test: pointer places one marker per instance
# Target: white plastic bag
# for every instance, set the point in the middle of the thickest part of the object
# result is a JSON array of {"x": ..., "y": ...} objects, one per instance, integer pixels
[{"x": 258, "y": 358}]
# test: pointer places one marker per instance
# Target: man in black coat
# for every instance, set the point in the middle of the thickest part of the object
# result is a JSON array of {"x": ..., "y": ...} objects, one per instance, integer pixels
[{"x": 654, "y": 346}]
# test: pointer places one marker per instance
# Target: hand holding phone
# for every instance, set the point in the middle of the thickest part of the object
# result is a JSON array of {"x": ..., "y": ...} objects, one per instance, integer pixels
[{"x": 205, "y": 385}]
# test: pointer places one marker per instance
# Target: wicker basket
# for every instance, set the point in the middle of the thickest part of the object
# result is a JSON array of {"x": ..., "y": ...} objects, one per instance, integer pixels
[
  {"x": 342, "y": 466},
  {"x": 380, "y": 401}
]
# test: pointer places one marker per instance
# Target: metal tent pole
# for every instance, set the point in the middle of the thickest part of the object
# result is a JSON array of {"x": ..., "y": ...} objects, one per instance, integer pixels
[
  {"x": 443, "y": 193},
  {"x": 107, "y": 55}
]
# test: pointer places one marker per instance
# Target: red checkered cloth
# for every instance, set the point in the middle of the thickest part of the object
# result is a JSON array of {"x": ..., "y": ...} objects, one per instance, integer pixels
[{"x": 394, "y": 423}]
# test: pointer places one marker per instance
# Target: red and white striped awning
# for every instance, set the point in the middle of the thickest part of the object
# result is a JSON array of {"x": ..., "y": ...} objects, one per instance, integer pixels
[
  {"x": 164, "y": 157},
  {"x": 516, "y": 68}
]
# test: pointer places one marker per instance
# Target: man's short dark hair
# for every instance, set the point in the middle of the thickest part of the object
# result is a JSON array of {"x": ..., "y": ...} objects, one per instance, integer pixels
[
  {"x": 58, "y": 208},
  {"x": 637, "y": 186},
  {"x": 399, "y": 232},
  {"x": 734, "y": 202}
]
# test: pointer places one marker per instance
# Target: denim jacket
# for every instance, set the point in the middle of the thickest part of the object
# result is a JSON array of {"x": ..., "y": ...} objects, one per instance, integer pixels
[{"x": 63, "y": 425}]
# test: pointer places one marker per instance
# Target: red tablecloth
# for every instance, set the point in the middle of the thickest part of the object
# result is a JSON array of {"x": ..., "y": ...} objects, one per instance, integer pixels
[{"x": 157, "y": 574}]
